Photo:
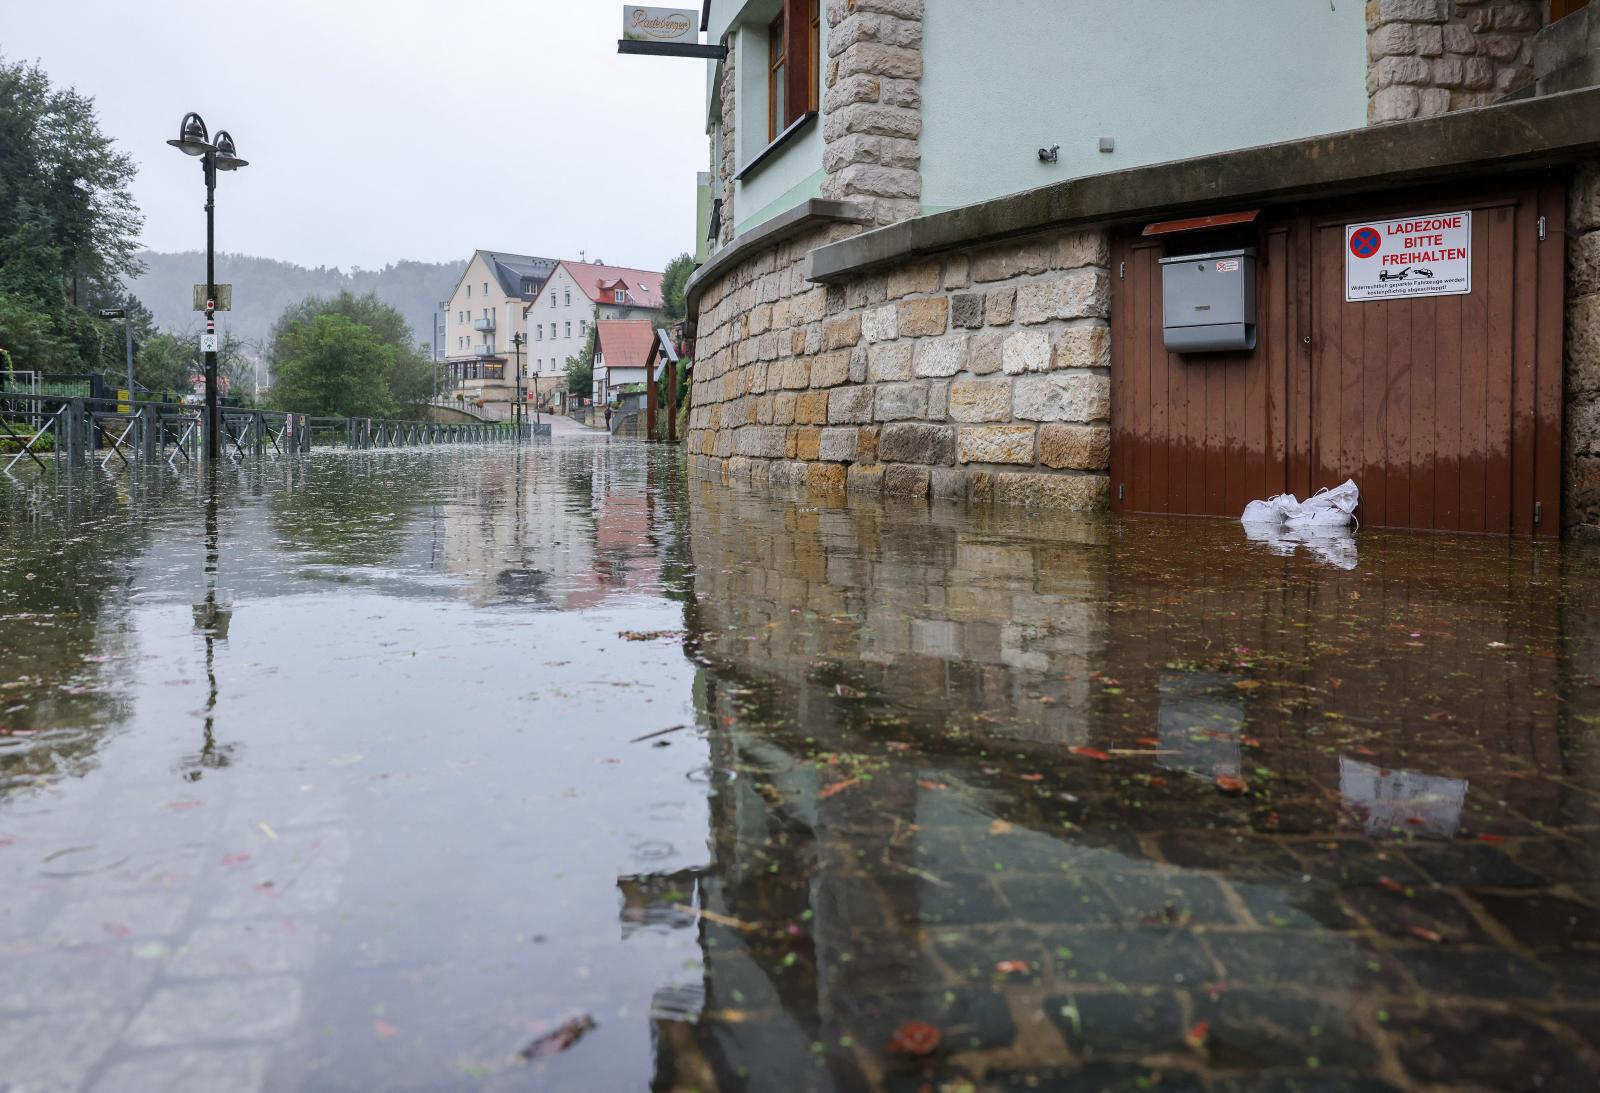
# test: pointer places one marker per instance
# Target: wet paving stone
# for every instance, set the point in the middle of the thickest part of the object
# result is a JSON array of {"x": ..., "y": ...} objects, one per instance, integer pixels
[
  {"x": 1491, "y": 1050},
  {"x": 555, "y": 767}
]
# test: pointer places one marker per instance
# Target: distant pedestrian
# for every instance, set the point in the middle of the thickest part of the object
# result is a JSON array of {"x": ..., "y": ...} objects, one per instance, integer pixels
[{"x": 608, "y": 417}]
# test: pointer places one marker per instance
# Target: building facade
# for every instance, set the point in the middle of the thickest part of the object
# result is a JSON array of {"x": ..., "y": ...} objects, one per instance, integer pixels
[
  {"x": 482, "y": 321},
  {"x": 974, "y": 351},
  {"x": 575, "y": 296},
  {"x": 621, "y": 352}
]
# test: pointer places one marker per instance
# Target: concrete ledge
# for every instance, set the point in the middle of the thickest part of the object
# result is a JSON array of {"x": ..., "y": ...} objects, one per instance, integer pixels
[
  {"x": 1533, "y": 132},
  {"x": 801, "y": 218}
]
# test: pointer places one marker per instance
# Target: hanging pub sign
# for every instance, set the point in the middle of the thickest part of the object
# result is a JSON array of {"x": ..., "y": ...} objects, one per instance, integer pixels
[
  {"x": 664, "y": 32},
  {"x": 641, "y": 24},
  {"x": 1427, "y": 255}
]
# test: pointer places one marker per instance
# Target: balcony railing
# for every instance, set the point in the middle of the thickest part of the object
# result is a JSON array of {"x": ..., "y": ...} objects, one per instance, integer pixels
[{"x": 485, "y": 324}]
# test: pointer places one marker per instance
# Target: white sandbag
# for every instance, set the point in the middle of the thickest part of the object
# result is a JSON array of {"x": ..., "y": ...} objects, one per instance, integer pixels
[
  {"x": 1274, "y": 510},
  {"x": 1327, "y": 508}
]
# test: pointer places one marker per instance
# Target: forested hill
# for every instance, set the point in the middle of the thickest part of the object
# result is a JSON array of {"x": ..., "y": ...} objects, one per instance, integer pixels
[{"x": 263, "y": 287}]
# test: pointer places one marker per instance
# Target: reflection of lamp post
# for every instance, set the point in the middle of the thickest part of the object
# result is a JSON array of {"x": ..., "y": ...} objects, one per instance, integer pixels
[
  {"x": 211, "y": 619},
  {"x": 221, "y": 155}
]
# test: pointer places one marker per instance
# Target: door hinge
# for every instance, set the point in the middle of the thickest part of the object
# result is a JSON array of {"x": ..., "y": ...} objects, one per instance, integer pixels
[
  {"x": 1538, "y": 513},
  {"x": 1122, "y": 272},
  {"x": 1544, "y": 228}
]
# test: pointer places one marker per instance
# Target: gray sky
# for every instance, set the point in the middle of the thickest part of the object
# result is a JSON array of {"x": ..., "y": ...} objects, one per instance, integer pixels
[{"x": 385, "y": 129}]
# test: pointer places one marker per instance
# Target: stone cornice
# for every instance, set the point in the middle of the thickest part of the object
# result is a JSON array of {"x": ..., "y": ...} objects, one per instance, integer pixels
[{"x": 1545, "y": 131}]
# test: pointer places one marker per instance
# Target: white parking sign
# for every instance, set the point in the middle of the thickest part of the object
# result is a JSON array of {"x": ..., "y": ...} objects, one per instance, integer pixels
[{"x": 1417, "y": 256}]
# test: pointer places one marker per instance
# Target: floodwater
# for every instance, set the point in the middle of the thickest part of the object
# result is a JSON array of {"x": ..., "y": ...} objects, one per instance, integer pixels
[{"x": 503, "y": 769}]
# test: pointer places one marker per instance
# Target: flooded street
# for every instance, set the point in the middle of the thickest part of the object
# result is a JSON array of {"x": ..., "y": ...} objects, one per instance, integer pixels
[{"x": 546, "y": 767}]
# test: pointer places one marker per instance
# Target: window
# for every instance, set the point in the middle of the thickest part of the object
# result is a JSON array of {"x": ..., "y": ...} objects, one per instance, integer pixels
[
  {"x": 485, "y": 313},
  {"x": 552, "y": 331},
  {"x": 583, "y": 328},
  {"x": 469, "y": 290},
  {"x": 793, "y": 41},
  {"x": 552, "y": 300},
  {"x": 566, "y": 298},
  {"x": 620, "y": 296},
  {"x": 777, "y": 77},
  {"x": 486, "y": 288},
  {"x": 569, "y": 330},
  {"x": 539, "y": 329}
]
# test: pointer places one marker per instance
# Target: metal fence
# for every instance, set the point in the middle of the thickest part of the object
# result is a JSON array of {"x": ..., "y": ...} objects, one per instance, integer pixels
[{"x": 77, "y": 431}]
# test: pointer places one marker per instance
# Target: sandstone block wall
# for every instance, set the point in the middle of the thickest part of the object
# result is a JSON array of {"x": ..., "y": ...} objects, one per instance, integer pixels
[
  {"x": 872, "y": 108},
  {"x": 1581, "y": 428},
  {"x": 1427, "y": 57},
  {"x": 981, "y": 375}
]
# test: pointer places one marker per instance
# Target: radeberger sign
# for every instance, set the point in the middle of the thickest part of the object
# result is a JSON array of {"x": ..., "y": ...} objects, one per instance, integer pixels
[
  {"x": 641, "y": 24},
  {"x": 1415, "y": 256}
]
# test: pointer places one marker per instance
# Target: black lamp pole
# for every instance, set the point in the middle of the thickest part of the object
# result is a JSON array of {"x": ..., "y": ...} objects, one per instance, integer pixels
[
  {"x": 220, "y": 155},
  {"x": 521, "y": 411}
]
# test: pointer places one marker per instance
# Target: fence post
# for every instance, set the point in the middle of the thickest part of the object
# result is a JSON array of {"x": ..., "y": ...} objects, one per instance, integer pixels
[
  {"x": 261, "y": 440},
  {"x": 75, "y": 437}
]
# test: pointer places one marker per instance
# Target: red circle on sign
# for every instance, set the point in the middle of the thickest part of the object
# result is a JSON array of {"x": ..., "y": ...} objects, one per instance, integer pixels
[{"x": 1365, "y": 242}]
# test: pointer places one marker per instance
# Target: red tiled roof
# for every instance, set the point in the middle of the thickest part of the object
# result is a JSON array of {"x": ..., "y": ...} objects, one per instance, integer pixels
[
  {"x": 624, "y": 343},
  {"x": 598, "y": 283}
]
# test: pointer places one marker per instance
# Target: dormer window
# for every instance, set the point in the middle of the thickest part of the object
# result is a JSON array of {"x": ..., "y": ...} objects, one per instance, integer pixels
[{"x": 620, "y": 296}]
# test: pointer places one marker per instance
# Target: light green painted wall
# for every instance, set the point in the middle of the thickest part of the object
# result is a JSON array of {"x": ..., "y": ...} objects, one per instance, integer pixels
[
  {"x": 1166, "y": 79},
  {"x": 792, "y": 175}
]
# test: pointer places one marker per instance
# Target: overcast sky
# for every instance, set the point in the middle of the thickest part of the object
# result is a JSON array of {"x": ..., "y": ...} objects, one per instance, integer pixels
[{"x": 385, "y": 129}]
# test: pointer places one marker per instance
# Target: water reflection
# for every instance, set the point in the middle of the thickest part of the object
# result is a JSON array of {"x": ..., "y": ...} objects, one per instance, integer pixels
[{"x": 548, "y": 767}]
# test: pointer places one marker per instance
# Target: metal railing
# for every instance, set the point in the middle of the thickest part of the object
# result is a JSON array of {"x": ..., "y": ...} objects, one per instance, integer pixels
[{"x": 77, "y": 431}]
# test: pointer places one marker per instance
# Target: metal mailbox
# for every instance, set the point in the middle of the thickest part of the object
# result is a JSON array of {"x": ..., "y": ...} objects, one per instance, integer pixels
[{"x": 1208, "y": 301}]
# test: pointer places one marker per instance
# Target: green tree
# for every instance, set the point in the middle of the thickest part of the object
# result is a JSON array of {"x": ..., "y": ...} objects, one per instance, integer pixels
[
  {"x": 68, "y": 225},
  {"x": 673, "y": 282},
  {"x": 164, "y": 364},
  {"x": 580, "y": 367},
  {"x": 330, "y": 364},
  {"x": 409, "y": 380}
]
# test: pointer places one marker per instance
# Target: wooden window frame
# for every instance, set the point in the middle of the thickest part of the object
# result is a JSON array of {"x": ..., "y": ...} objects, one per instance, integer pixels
[
  {"x": 794, "y": 40},
  {"x": 1560, "y": 9}
]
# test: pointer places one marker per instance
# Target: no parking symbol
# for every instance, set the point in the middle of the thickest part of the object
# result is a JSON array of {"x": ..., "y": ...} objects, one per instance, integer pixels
[{"x": 1428, "y": 255}]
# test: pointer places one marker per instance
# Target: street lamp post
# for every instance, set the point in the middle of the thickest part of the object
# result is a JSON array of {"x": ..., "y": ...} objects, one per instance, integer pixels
[
  {"x": 218, "y": 155},
  {"x": 517, "y": 340}
]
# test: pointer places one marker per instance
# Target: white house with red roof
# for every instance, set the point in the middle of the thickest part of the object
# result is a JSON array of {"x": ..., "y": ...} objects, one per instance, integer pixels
[
  {"x": 621, "y": 354},
  {"x": 577, "y": 294}
]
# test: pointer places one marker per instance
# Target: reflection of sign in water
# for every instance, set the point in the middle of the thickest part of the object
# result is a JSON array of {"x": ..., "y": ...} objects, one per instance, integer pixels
[
  {"x": 1385, "y": 801},
  {"x": 1417, "y": 256},
  {"x": 1200, "y": 718},
  {"x": 640, "y": 24}
]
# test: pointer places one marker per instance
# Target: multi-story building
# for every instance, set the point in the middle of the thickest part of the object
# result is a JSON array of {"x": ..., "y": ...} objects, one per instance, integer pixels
[
  {"x": 482, "y": 320},
  {"x": 963, "y": 250},
  {"x": 575, "y": 295}
]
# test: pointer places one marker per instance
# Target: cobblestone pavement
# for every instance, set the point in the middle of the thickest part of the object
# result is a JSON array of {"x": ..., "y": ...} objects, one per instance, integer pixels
[{"x": 549, "y": 768}]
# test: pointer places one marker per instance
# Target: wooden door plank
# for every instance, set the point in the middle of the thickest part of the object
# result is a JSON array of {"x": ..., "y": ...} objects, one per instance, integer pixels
[
  {"x": 1499, "y": 318},
  {"x": 1369, "y": 473},
  {"x": 1551, "y": 322},
  {"x": 1473, "y": 441},
  {"x": 1298, "y": 359},
  {"x": 1424, "y": 419},
  {"x": 1396, "y": 421},
  {"x": 1447, "y": 414},
  {"x": 1524, "y": 363}
]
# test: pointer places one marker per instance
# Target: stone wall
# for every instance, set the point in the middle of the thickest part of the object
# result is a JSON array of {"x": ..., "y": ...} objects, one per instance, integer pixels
[
  {"x": 872, "y": 110},
  {"x": 1582, "y": 424},
  {"x": 725, "y": 160},
  {"x": 982, "y": 375},
  {"x": 1431, "y": 56}
]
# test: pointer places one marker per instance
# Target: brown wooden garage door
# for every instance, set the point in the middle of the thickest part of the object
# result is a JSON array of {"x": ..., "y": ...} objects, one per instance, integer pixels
[{"x": 1446, "y": 410}]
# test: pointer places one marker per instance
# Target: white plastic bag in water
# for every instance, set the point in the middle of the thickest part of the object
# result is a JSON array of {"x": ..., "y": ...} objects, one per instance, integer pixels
[{"x": 1326, "y": 508}]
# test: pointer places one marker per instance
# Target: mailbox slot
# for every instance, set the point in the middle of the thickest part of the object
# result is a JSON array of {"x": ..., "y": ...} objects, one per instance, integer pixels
[{"x": 1208, "y": 301}]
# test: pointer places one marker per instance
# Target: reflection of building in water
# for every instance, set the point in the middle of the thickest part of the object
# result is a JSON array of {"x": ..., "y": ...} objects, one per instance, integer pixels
[
  {"x": 1400, "y": 802},
  {"x": 519, "y": 541}
]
